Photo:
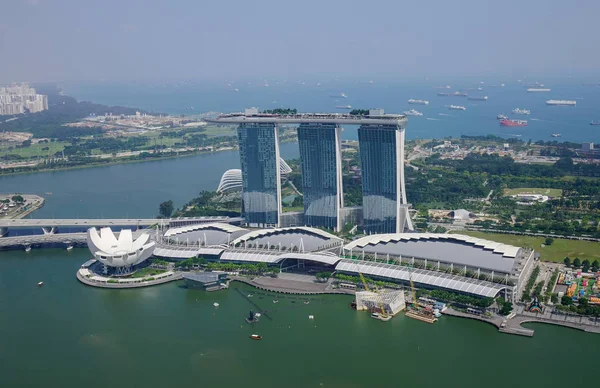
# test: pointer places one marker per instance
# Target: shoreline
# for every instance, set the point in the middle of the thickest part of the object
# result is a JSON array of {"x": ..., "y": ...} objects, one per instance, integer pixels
[{"x": 127, "y": 161}]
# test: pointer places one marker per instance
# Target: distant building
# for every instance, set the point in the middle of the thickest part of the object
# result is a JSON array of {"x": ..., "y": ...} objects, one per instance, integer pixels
[
  {"x": 587, "y": 146},
  {"x": 17, "y": 99}
]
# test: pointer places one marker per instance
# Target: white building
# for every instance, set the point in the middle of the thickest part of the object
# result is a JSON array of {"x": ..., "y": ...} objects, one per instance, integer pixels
[{"x": 391, "y": 301}]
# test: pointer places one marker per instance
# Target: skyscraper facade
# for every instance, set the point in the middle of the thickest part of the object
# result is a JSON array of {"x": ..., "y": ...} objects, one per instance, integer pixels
[
  {"x": 382, "y": 164},
  {"x": 261, "y": 187},
  {"x": 320, "y": 158}
]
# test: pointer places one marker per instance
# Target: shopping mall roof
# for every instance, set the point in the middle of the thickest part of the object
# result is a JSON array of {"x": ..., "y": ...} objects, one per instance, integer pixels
[
  {"x": 272, "y": 257},
  {"x": 310, "y": 238},
  {"x": 424, "y": 277},
  {"x": 449, "y": 248}
]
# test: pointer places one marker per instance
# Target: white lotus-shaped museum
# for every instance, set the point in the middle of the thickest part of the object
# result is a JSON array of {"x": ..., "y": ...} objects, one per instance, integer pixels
[{"x": 119, "y": 252}]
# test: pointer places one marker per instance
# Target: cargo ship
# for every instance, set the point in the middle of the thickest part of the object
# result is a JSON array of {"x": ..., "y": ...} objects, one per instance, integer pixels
[
  {"x": 418, "y": 102},
  {"x": 513, "y": 123},
  {"x": 478, "y": 98},
  {"x": 443, "y": 94},
  {"x": 534, "y": 90},
  {"x": 595, "y": 122},
  {"x": 344, "y": 107},
  {"x": 518, "y": 111},
  {"x": 459, "y": 94},
  {"x": 456, "y": 107},
  {"x": 561, "y": 102}
]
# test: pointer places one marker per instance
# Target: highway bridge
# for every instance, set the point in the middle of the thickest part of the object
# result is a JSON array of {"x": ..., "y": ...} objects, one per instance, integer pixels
[
  {"x": 50, "y": 225},
  {"x": 43, "y": 239}
]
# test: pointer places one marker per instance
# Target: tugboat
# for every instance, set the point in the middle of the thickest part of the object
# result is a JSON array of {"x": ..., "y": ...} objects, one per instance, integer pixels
[
  {"x": 519, "y": 111},
  {"x": 256, "y": 337},
  {"x": 595, "y": 122},
  {"x": 501, "y": 117},
  {"x": 556, "y": 135},
  {"x": 40, "y": 284}
]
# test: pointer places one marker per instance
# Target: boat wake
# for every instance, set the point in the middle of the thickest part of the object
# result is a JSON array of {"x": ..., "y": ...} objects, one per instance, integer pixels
[
  {"x": 444, "y": 114},
  {"x": 429, "y": 118}
]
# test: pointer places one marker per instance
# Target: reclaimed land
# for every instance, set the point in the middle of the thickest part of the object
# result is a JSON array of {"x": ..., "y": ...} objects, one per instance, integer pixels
[{"x": 556, "y": 252}]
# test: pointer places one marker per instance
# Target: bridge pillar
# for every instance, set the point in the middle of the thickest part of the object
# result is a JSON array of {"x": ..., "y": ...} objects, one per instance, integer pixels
[
  {"x": 50, "y": 230},
  {"x": 3, "y": 231}
]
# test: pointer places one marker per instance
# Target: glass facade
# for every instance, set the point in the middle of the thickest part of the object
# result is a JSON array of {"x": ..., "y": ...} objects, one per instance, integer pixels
[
  {"x": 321, "y": 173},
  {"x": 259, "y": 157},
  {"x": 379, "y": 153}
]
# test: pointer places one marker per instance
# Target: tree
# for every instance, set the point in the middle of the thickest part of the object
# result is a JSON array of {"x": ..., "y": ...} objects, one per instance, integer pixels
[
  {"x": 577, "y": 262},
  {"x": 554, "y": 298},
  {"x": 567, "y": 261},
  {"x": 18, "y": 198},
  {"x": 506, "y": 308},
  {"x": 566, "y": 300},
  {"x": 583, "y": 302},
  {"x": 548, "y": 241},
  {"x": 165, "y": 209},
  {"x": 595, "y": 266},
  {"x": 586, "y": 265}
]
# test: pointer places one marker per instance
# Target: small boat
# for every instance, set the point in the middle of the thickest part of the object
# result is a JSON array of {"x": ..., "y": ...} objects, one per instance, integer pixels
[
  {"x": 40, "y": 284},
  {"x": 381, "y": 317},
  {"x": 216, "y": 304},
  {"x": 418, "y": 102},
  {"x": 250, "y": 295},
  {"x": 70, "y": 248},
  {"x": 311, "y": 317},
  {"x": 48, "y": 193},
  {"x": 256, "y": 337},
  {"x": 28, "y": 249},
  {"x": 595, "y": 122},
  {"x": 306, "y": 302},
  {"x": 556, "y": 135},
  {"x": 275, "y": 301},
  {"x": 501, "y": 117}
]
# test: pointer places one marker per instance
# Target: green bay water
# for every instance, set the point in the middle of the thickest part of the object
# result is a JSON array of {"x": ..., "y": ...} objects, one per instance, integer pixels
[{"x": 65, "y": 334}]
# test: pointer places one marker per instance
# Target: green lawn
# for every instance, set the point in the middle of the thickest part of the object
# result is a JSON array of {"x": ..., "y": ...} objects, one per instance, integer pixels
[
  {"x": 36, "y": 149},
  {"x": 555, "y": 252},
  {"x": 213, "y": 130},
  {"x": 534, "y": 190}
]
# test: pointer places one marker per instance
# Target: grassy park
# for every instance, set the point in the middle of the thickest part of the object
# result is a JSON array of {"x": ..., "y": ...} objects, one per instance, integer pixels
[
  {"x": 533, "y": 190},
  {"x": 556, "y": 252}
]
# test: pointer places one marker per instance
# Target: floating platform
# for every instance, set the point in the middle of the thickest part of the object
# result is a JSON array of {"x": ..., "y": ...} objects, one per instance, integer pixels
[{"x": 425, "y": 317}]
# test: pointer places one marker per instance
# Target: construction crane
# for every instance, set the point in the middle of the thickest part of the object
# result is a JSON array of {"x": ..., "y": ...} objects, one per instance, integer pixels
[
  {"x": 364, "y": 282},
  {"x": 412, "y": 289}
]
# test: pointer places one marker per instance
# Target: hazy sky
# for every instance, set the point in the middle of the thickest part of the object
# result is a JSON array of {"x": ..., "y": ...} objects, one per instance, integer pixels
[{"x": 49, "y": 40}]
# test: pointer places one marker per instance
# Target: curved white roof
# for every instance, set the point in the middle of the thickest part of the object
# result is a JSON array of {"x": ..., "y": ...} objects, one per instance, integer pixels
[
  {"x": 269, "y": 232},
  {"x": 424, "y": 277},
  {"x": 448, "y": 248},
  {"x": 228, "y": 228},
  {"x": 232, "y": 179},
  {"x": 120, "y": 252}
]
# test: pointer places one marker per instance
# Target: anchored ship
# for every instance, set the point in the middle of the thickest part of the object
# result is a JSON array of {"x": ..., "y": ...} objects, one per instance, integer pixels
[
  {"x": 533, "y": 90},
  {"x": 344, "y": 107},
  {"x": 513, "y": 123},
  {"x": 413, "y": 112},
  {"x": 418, "y": 102},
  {"x": 561, "y": 102},
  {"x": 501, "y": 117},
  {"x": 456, "y": 107},
  {"x": 595, "y": 122},
  {"x": 478, "y": 98},
  {"x": 518, "y": 111}
]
